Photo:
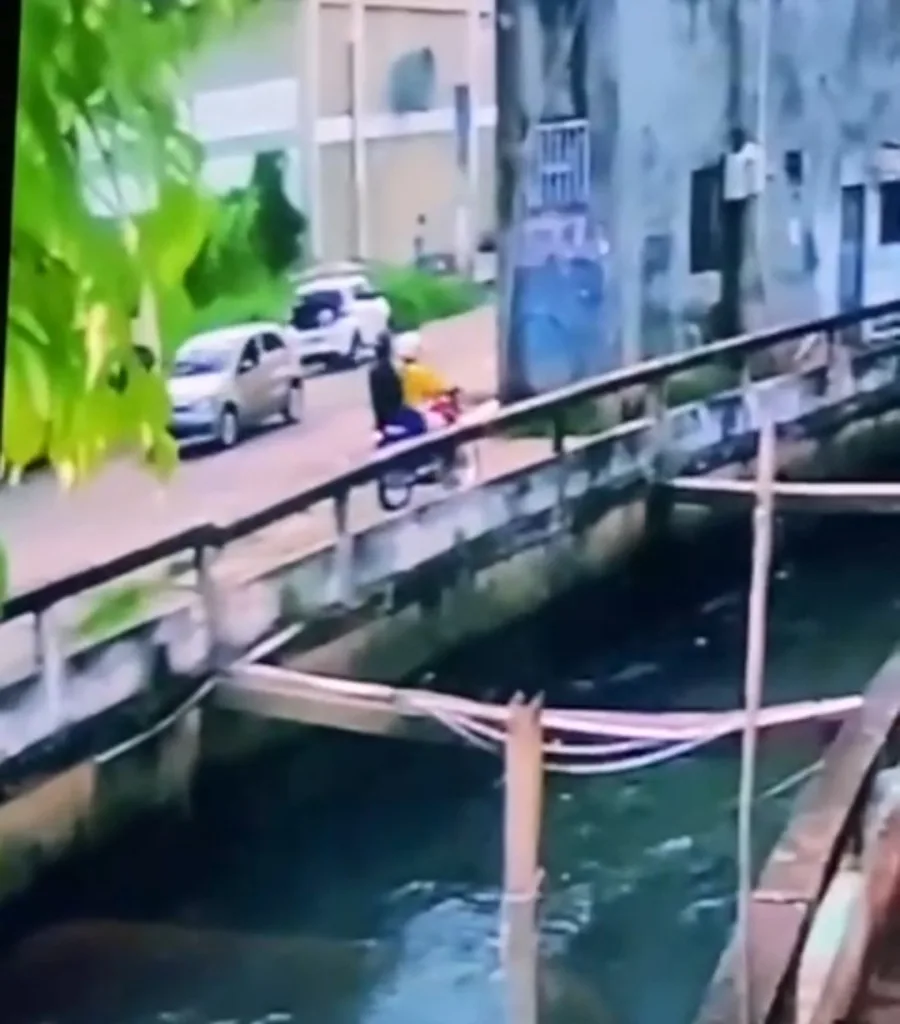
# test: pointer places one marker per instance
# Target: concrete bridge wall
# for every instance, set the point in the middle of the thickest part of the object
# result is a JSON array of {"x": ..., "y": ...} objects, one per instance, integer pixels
[{"x": 379, "y": 604}]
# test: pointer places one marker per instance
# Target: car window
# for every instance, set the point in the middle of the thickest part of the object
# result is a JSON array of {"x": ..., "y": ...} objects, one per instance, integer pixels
[
  {"x": 272, "y": 343},
  {"x": 251, "y": 353},
  {"x": 364, "y": 290},
  {"x": 309, "y": 307},
  {"x": 198, "y": 363}
]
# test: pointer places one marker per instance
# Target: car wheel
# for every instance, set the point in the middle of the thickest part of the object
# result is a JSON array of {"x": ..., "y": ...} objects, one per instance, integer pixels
[
  {"x": 229, "y": 431},
  {"x": 293, "y": 404}
]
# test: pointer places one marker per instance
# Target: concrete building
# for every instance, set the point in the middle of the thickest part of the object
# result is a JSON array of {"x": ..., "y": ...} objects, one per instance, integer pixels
[
  {"x": 361, "y": 97},
  {"x": 619, "y": 241}
]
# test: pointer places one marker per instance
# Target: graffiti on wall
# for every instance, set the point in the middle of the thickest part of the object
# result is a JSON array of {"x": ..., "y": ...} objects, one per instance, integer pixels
[
  {"x": 557, "y": 302},
  {"x": 559, "y": 253}
]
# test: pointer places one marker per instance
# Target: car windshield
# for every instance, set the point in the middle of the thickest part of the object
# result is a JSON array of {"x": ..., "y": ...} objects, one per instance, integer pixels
[
  {"x": 308, "y": 308},
  {"x": 195, "y": 364}
]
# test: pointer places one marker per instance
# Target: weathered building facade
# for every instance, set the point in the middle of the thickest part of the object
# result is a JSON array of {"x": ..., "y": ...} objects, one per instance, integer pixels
[{"x": 654, "y": 237}]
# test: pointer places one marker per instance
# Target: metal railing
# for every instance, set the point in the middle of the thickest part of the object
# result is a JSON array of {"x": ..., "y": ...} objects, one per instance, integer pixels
[{"x": 652, "y": 374}]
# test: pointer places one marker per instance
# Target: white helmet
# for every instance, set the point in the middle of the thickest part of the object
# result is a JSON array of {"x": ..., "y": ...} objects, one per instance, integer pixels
[{"x": 408, "y": 345}]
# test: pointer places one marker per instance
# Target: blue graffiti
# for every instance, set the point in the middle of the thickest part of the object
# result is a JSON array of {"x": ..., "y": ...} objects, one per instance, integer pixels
[{"x": 560, "y": 304}]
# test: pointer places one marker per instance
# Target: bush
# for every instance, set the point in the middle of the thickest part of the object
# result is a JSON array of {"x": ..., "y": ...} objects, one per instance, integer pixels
[
  {"x": 267, "y": 299},
  {"x": 240, "y": 273},
  {"x": 228, "y": 260},
  {"x": 695, "y": 385},
  {"x": 417, "y": 297}
]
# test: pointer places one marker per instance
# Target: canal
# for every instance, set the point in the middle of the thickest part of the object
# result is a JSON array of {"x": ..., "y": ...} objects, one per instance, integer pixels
[{"x": 383, "y": 908}]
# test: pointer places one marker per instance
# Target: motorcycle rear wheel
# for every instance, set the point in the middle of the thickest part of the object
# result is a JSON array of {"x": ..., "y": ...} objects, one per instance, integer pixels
[{"x": 395, "y": 489}]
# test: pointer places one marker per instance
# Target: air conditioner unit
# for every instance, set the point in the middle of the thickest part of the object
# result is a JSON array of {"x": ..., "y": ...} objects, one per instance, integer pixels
[
  {"x": 745, "y": 172},
  {"x": 887, "y": 163}
]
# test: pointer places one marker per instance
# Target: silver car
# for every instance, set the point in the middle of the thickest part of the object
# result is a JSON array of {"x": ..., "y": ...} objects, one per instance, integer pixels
[{"x": 227, "y": 380}]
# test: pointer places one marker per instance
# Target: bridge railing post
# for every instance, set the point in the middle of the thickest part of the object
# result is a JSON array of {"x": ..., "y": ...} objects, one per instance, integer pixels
[
  {"x": 839, "y": 366},
  {"x": 211, "y": 603},
  {"x": 51, "y": 662},
  {"x": 657, "y": 408},
  {"x": 343, "y": 564},
  {"x": 746, "y": 383},
  {"x": 558, "y": 440}
]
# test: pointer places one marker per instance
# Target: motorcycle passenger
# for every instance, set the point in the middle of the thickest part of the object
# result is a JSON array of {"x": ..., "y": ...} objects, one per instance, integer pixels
[
  {"x": 386, "y": 395},
  {"x": 422, "y": 385}
]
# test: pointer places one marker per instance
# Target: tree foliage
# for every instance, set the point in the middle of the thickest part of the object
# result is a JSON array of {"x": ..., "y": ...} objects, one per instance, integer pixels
[
  {"x": 98, "y": 77},
  {"x": 279, "y": 225},
  {"x": 227, "y": 260}
]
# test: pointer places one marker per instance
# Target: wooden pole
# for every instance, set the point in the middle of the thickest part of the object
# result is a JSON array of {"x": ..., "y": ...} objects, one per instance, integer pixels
[
  {"x": 753, "y": 686},
  {"x": 523, "y": 807}
]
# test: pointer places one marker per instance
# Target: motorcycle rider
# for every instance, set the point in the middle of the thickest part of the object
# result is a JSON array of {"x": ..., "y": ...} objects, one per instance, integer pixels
[
  {"x": 422, "y": 385},
  {"x": 386, "y": 395}
]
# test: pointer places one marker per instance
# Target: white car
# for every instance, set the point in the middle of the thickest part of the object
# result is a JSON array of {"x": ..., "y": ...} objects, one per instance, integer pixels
[{"x": 337, "y": 318}]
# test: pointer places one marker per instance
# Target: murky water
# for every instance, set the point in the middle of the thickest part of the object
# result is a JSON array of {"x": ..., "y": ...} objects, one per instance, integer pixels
[{"x": 384, "y": 910}]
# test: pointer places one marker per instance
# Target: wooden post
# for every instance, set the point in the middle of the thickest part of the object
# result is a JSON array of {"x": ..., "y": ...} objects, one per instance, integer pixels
[
  {"x": 521, "y": 882},
  {"x": 753, "y": 686}
]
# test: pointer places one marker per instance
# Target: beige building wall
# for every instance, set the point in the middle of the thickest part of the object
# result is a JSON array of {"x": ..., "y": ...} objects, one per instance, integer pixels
[{"x": 248, "y": 99}]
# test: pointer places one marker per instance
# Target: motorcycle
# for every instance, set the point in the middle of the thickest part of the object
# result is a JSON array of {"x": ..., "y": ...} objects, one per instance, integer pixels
[{"x": 450, "y": 468}]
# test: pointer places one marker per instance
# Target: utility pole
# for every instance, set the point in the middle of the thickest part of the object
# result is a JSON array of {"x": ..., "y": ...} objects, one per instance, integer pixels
[
  {"x": 510, "y": 131},
  {"x": 762, "y": 131},
  {"x": 358, "y": 117},
  {"x": 729, "y": 320},
  {"x": 466, "y": 109},
  {"x": 306, "y": 74}
]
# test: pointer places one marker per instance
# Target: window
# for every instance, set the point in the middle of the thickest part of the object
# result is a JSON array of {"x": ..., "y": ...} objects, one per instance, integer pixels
[
  {"x": 412, "y": 80},
  {"x": 890, "y": 212},
  {"x": 250, "y": 355},
  {"x": 793, "y": 167},
  {"x": 317, "y": 309},
  {"x": 706, "y": 221},
  {"x": 198, "y": 363},
  {"x": 272, "y": 343},
  {"x": 559, "y": 176}
]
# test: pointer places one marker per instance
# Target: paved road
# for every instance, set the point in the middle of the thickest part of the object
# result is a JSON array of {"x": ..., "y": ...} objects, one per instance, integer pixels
[{"x": 49, "y": 533}]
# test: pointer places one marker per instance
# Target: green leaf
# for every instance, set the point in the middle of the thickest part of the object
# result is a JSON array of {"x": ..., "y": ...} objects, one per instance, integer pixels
[
  {"x": 172, "y": 234},
  {"x": 25, "y": 387},
  {"x": 98, "y": 74}
]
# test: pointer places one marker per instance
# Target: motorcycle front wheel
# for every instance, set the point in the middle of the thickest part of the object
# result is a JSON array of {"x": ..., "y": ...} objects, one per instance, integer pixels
[{"x": 395, "y": 488}]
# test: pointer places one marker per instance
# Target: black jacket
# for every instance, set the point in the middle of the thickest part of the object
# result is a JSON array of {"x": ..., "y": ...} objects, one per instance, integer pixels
[{"x": 385, "y": 393}]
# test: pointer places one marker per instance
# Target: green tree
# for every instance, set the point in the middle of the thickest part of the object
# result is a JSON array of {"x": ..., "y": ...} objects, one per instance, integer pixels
[
  {"x": 98, "y": 77},
  {"x": 228, "y": 261},
  {"x": 279, "y": 224}
]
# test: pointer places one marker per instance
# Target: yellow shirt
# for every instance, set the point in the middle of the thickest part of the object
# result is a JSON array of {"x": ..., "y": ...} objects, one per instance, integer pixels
[{"x": 421, "y": 384}]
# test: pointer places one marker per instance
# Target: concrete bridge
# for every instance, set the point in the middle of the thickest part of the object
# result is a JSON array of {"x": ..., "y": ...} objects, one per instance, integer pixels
[{"x": 102, "y": 722}]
